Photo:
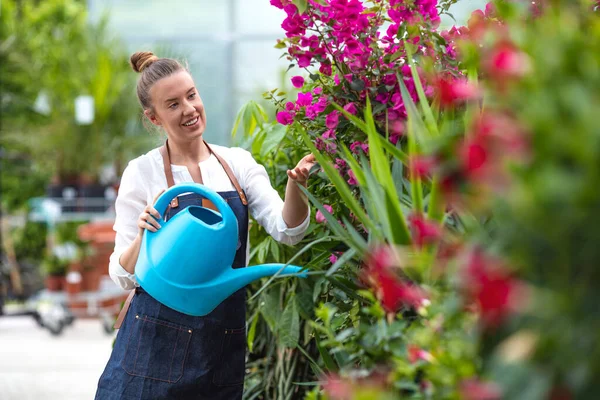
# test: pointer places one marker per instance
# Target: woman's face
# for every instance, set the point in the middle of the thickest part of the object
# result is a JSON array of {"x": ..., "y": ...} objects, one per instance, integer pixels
[{"x": 177, "y": 107}]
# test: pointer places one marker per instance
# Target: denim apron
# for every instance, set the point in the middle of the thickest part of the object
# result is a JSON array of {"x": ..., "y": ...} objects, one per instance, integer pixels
[{"x": 160, "y": 353}]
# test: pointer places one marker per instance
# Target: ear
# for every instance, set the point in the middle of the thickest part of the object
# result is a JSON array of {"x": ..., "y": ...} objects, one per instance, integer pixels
[{"x": 152, "y": 117}]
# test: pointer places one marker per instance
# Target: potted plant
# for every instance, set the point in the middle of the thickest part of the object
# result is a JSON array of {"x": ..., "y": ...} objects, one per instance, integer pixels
[{"x": 55, "y": 269}]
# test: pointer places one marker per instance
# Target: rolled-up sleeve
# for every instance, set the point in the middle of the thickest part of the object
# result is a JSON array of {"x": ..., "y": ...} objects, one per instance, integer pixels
[
  {"x": 265, "y": 204},
  {"x": 130, "y": 202}
]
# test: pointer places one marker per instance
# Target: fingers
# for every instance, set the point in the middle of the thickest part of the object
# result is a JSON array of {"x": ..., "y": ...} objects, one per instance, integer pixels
[
  {"x": 147, "y": 221},
  {"x": 299, "y": 174},
  {"x": 152, "y": 211}
]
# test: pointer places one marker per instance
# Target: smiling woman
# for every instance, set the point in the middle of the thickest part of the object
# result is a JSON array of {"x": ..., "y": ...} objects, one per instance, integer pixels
[{"x": 161, "y": 353}]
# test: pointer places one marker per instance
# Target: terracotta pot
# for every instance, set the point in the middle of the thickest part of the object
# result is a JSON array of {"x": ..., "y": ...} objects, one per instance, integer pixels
[
  {"x": 55, "y": 283},
  {"x": 90, "y": 280}
]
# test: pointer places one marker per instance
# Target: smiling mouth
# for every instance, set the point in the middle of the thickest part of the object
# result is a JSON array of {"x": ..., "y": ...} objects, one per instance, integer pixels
[{"x": 191, "y": 122}]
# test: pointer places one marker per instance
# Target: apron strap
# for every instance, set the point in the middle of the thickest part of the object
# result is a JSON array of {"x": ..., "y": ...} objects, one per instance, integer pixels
[{"x": 123, "y": 311}]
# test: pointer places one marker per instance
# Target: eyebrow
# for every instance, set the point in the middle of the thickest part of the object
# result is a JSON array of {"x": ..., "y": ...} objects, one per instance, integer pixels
[{"x": 173, "y": 99}]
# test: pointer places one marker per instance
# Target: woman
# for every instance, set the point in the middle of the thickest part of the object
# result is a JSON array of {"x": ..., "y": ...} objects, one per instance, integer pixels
[{"x": 160, "y": 353}]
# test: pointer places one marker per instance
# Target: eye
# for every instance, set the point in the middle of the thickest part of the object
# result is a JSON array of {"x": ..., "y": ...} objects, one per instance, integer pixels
[
  {"x": 173, "y": 106},
  {"x": 192, "y": 95}
]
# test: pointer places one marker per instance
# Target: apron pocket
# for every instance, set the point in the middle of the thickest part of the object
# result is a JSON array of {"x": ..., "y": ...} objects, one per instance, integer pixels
[
  {"x": 232, "y": 363},
  {"x": 156, "y": 349}
]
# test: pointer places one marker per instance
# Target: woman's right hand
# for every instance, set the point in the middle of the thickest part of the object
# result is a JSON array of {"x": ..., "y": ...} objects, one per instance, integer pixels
[{"x": 149, "y": 218}]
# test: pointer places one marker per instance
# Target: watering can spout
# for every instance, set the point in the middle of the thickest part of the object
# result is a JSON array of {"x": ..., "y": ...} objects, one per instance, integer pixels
[{"x": 240, "y": 277}]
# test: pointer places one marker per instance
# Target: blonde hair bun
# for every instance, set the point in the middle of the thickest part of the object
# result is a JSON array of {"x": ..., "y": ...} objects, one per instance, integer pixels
[{"x": 142, "y": 60}]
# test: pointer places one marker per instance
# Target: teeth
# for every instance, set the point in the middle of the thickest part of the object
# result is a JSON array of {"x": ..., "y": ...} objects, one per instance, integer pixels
[{"x": 192, "y": 122}]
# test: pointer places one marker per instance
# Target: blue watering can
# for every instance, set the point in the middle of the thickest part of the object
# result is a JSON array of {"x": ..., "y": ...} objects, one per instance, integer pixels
[{"x": 195, "y": 282}]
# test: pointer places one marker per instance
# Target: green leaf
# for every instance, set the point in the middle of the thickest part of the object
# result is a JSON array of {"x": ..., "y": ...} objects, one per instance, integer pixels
[
  {"x": 270, "y": 309},
  {"x": 431, "y": 121},
  {"x": 418, "y": 127},
  {"x": 301, "y": 4},
  {"x": 437, "y": 206},
  {"x": 273, "y": 138},
  {"x": 383, "y": 173},
  {"x": 289, "y": 326},
  {"x": 395, "y": 151},
  {"x": 252, "y": 333},
  {"x": 415, "y": 181},
  {"x": 330, "y": 364}
]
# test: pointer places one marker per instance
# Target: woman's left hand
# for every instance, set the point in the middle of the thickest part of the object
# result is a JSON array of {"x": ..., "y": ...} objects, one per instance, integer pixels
[{"x": 300, "y": 172}]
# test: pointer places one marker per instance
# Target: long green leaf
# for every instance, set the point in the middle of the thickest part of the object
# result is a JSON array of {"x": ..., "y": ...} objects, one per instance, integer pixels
[
  {"x": 342, "y": 187},
  {"x": 330, "y": 364},
  {"x": 252, "y": 332},
  {"x": 431, "y": 121},
  {"x": 437, "y": 205},
  {"x": 395, "y": 152},
  {"x": 415, "y": 180},
  {"x": 289, "y": 326},
  {"x": 383, "y": 173},
  {"x": 419, "y": 129}
]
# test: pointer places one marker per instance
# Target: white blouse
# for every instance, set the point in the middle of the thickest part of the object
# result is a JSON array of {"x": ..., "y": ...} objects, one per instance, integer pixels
[{"x": 144, "y": 178}]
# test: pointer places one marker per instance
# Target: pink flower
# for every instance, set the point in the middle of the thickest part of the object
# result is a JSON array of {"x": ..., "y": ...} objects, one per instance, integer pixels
[
  {"x": 297, "y": 81},
  {"x": 319, "y": 217},
  {"x": 350, "y": 108},
  {"x": 289, "y": 106},
  {"x": 277, "y": 3},
  {"x": 332, "y": 120},
  {"x": 304, "y": 99},
  {"x": 329, "y": 134},
  {"x": 333, "y": 258},
  {"x": 321, "y": 104},
  {"x": 318, "y": 90},
  {"x": 330, "y": 147},
  {"x": 415, "y": 354},
  {"x": 336, "y": 79},
  {"x": 325, "y": 69},
  {"x": 352, "y": 180},
  {"x": 304, "y": 60},
  {"x": 355, "y": 147},
  {"x": 284, "y": 118},
  {"x": 311, "y": 112}
]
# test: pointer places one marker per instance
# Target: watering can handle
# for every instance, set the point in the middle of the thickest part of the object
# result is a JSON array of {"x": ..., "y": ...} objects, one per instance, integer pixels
[{"x": 164, "y": 199}]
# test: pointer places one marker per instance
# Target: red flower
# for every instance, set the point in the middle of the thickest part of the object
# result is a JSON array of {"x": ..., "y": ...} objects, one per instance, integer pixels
[
  {"x": 455, "y": 91},
  {"x": 474, "y": 389},
  {"x": 337, "y": 388},
  {"x": 492, "y": 288},
  {"x": 422, "y": 166},
  {"x": 506, "y": 61},
  {"x": 392, "y": 291},
  {"x": 424, "y": 231}
]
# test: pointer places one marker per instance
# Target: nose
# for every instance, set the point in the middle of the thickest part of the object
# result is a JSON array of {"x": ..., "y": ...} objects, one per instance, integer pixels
[{"x": 188, "y": 108}]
